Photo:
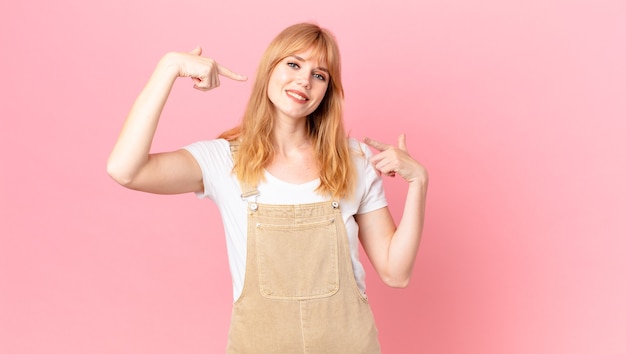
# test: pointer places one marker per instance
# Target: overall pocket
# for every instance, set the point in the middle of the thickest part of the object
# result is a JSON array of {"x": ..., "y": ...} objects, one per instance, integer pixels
[{"x": 297, "y": 261}]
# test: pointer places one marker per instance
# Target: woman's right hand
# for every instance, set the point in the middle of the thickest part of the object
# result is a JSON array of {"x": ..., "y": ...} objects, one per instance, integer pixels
[
  {"x": 131, "y": 164},
  {"x": 205, "y": 72}
]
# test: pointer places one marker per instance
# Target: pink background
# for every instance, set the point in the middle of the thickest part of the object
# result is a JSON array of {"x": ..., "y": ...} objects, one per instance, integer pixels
[{"x": 517, "y": 108}]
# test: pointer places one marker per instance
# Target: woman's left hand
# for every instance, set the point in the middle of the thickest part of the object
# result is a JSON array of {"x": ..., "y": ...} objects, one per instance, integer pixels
[{"x": 392, "y": 160}]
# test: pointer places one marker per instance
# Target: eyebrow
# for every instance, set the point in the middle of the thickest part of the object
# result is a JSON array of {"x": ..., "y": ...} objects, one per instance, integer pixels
[{"x": 320, "y": 68}]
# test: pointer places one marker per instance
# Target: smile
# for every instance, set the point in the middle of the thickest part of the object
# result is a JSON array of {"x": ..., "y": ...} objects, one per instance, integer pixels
[{"x": 297, "y": 95}]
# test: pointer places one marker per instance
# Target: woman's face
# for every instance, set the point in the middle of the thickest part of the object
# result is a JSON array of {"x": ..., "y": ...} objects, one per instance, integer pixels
[{"x": 297, "y": 85}]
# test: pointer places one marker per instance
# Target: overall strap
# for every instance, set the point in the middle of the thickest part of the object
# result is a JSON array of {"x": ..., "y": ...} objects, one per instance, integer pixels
[{"x": 247, "y": 191}]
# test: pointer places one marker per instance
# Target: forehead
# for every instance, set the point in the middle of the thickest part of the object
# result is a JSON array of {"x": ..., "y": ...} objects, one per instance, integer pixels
[{"x": 310, "y": 56}]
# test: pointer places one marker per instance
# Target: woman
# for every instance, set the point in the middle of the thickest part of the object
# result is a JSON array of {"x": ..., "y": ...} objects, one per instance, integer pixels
[{"x": 295, "y": 194}]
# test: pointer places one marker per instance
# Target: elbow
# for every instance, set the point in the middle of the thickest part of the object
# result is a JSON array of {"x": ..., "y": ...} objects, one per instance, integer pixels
[
  {"x": 399, "y": 282},
  {"x": 118, "y": 175}
]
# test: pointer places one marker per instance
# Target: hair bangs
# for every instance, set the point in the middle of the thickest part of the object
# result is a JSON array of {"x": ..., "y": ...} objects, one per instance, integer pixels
[{"x": 325, "y": 124}]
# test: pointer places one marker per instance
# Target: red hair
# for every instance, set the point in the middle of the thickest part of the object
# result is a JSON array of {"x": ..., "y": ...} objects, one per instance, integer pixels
[{"x": 324, "y": 125}]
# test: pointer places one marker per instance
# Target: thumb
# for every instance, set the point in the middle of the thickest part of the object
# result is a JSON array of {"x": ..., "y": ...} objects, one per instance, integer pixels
[
  {"x": 196, "y": 51},
  {"x": 402, "y": 142}
]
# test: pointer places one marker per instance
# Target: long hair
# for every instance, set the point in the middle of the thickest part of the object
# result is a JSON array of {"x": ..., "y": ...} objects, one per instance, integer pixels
[{"x": 324, "y": 125}]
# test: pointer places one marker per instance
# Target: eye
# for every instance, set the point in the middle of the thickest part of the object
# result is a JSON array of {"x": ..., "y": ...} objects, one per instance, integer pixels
[
  {"x": 293, "y": 65},
  {"x": 319, "y": 77}
]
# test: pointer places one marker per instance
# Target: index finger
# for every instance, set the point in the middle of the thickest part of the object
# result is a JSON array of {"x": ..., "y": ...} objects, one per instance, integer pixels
[
  {"x": 226, "y": 72},
  {"x": 376, "y": 144}
]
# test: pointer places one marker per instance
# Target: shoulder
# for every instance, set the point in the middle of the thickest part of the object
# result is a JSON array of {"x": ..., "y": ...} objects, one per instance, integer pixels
[
  {"x": 359, "y": 151},
  {"x": 215, "y": 145},
  {"x": 216, "y": 163},
  {"x": 369, "y": 193},
  {"x": 211, "y": 153},
  {"x": 353, "y": 143},
  {"x": 360, "y": 148},
  {"x": 209, "y": 149}
]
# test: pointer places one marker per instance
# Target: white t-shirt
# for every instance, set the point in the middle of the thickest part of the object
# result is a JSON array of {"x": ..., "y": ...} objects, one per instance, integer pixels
[{"x": 222, "y": 186}]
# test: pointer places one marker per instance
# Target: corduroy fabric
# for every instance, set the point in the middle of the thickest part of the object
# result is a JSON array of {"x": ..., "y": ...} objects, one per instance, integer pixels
[{"x": 299, "y": 292}]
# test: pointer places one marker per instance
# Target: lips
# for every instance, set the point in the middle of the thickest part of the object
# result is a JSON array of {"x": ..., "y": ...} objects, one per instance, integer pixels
[{"x": 297, "y": 95}]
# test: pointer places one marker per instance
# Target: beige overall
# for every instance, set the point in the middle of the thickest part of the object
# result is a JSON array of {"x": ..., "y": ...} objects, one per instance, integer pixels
[{"x": 299, "y": 293}]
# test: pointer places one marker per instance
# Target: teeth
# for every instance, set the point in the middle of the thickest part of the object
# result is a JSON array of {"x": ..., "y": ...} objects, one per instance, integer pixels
[{"x": 295, "y": 95}]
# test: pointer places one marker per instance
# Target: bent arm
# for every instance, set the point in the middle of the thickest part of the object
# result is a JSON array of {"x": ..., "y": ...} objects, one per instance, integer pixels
[
  {"x": 392, "y": 250},
  {"x": 130, "y": 163}
]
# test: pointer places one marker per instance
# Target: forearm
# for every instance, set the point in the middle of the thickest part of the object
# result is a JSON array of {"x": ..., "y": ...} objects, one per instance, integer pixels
[
  {"x": 405, "y": 241},
  {"x": 131, "y": 151}
]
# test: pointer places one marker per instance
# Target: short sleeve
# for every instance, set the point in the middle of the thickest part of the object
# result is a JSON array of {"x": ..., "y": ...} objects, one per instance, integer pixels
[
  {"x": 370, "y": 182},
  {"x": 215, "y": 161}
]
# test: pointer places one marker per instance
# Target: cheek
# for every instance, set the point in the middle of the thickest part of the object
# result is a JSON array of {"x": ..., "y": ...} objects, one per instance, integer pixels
[
  {"x": 280, "y": 74},
  {"x": 273, "y": 94},
  {"x": 322, "y": 91},
  {"x": 273, "y": 87}
]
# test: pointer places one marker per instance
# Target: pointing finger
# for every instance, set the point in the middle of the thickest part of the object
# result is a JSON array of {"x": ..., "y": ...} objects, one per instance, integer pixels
[
  {"x": 224, "y": 71},
  {"x": 376, "y": 144}
]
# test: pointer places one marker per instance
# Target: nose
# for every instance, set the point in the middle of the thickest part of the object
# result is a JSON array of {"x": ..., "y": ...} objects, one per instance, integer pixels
[{"x": 304, "y": 79}]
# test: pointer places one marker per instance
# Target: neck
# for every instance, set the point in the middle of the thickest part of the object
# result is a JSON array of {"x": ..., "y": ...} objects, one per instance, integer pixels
[{"x": 289, "y": 136}]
